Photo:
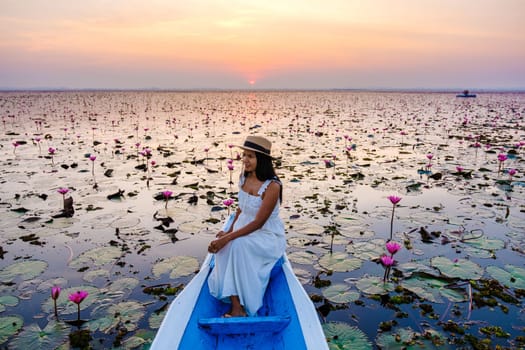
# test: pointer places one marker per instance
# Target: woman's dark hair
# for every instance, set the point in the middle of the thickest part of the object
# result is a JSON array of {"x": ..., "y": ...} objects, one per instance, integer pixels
[{"x": 265, "y": 171}]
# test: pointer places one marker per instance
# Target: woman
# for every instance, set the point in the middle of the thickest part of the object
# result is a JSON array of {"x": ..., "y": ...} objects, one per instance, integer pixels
[{"x": 246, "y": 254}]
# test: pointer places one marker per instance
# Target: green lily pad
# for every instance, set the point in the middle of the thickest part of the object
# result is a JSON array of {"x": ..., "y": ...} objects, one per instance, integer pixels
[
  {"x": 97, "y": 256},
  {"x": 411, "y": 267},
  {"x": 474, "y": 252},
  {"x": 25, "y": 270},
  {"x": 367, "y": 251},
  {"x": 339, "y": 262},
  {"x": 299, "y": 242},
  {"x": 125, "y": 284},
  {"x": 155, "y": 319},
  {"x": 307, "y": 228},
  {"x": 107, "y": 318},
  {"x": 132, "y": 342},
  {"x": 374, "y": 285},
  {"x": 341, "y": 336},
  {"x": 408, "y": 339},
  {"x": 7, "y": 300},
  {"x": 92, "y": 275},
  {"x": 485, "y": 243},
  {"x": 512, "y": 276},
  {"x": 431, "y": 289},
  {"x": 177, "y": 266},
  {"x": 459, "y": 268},
  {"x": 9, "y": 326},
  {"x": 33, "y": 337},
  {"x": 340, "y": 293},
  {"x": 48, "y": 284},
  {"x": 302, "y": 257}
]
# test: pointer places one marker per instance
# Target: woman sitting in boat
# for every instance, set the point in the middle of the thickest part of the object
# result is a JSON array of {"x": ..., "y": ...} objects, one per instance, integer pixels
[{"x": 246, "y": 254}]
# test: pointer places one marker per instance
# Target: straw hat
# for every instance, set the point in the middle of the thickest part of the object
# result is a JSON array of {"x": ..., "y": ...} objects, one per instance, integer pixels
[{"x": 257, "y": 144}]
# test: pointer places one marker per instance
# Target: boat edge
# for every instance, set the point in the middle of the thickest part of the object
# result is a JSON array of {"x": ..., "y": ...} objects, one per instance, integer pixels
[{"x": 313, "y": 333}]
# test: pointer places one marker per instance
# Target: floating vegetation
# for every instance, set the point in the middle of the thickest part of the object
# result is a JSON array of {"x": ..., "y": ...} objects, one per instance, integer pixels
[
  {"x": 177, "y": 266},
  {"x": 25, "y": 270},
  {"x": 341, "y": 336},
  {"x": 460, "y": 222}
]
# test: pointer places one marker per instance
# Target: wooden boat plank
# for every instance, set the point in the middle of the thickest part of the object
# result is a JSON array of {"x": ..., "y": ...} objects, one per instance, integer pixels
[{"x": 244, "y": 325}]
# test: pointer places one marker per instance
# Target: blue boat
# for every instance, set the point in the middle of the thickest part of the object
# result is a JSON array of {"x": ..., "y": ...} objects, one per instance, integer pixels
[
  {"x": 466, "y": 94},
  {"x": 287, "y": 319}
]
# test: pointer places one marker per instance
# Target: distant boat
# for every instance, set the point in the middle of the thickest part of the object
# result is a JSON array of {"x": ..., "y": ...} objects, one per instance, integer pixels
[{"x": 466, "y": 94}]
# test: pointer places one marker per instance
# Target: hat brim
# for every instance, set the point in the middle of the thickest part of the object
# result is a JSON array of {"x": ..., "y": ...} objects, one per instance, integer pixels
[{"x": 255, "y": 150}]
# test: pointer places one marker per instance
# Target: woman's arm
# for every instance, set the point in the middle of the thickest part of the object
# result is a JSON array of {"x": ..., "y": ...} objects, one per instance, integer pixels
[
  {"x": 222, "y": 233},
  {"x": 269, "y": 201}
]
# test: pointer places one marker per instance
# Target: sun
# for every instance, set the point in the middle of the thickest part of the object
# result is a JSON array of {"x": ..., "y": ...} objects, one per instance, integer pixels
[{"x": 251, "y": 82}]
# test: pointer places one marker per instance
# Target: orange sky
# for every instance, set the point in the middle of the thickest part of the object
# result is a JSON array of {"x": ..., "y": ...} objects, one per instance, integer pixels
[{"x": 277, "y": 43}]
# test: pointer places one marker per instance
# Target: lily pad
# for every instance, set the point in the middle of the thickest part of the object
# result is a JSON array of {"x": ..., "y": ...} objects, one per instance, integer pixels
[
  {"x": 408, "y": 339},
  {"x": 485, "y": 243},
  {"x": 367, "y": 250},
  {"x": 302, "y": 257},
  {"x": 410, "y": 268},
  {"x": 341, "y": 336},
  {"x": 374, "y": 285},
  {"x": 512, "y": 276},
  {"x": 340, "y": 293},
  {"x": 128, "y": 313},
  {"x": 7, "y": 300},
  {"x": 97, "y": 256},
  {"x": 92, "y": 275},
  {"x": 432, "y": 289},
  {"x": 125, "y": 284},
  {"x": 9, "y": 326},
  {"x": 339, "y": 262},
  {"x": 155, "y": 319},
  {"x": 25, "y": 270},
  {"x": 177, "y": 266},
  {"x": 459, "y": 268},
  {"x": 33, "y": 337}
]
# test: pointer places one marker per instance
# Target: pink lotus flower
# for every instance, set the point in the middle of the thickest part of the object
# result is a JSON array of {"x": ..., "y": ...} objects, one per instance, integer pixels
[
  {"x": 92, "y": 157},
  {"x": 387, "y": 260},
  {"x": 55, "y": 292},
  {"x": 512, "y": 172},
  {"x": 228, "y": 202},
  {"x": 51, "y": 150},
  {"x": 459, "y": 169},
  {"x": 393, "y": 247},
  {"x": 230, "y": 167},
  {"x": 502, "y": 157},
  {"x": 63, "y": 190},
  {"x": 430, "y": 156},
  {"x": 153, "y": 163},
  {"x": 167, "y": 194},
  {"x": 77, "y": 298},
  {"x": 394, "y": 199}
]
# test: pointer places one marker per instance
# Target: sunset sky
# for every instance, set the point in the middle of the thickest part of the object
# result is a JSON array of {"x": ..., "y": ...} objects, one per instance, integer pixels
[{"x": 262, "y": 44}]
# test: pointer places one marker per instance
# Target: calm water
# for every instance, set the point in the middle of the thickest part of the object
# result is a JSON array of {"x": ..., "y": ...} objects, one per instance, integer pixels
[{"x": 378, "y": 145}]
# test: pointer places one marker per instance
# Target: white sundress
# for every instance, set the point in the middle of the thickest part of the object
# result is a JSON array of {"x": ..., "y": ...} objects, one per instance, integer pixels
[{"x": 243, "y": 266}]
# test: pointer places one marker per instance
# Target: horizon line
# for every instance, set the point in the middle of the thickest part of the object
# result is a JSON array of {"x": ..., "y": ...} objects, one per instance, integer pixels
[{"x": 253, "y": 89}]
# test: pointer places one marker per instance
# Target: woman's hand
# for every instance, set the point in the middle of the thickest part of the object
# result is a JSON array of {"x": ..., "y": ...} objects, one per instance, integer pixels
[
  {"x": 220, "y": 234},
  {"x": 219, "y": 243}
]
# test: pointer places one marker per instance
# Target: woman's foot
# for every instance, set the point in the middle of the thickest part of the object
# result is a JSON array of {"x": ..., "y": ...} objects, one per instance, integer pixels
[
  {"x": 231, "y": 314},
  {"x": 237, "y": 309}
]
